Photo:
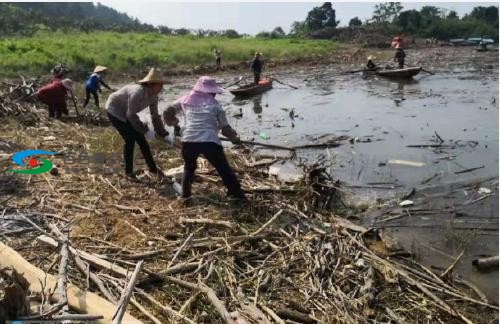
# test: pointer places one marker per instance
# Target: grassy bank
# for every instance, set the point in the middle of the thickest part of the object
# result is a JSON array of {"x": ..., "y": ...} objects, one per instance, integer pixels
[{"x": 128, "y": 51}]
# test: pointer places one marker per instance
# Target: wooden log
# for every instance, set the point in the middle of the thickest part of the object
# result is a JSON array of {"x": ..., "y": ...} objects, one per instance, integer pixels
[
  {"x": 95, "y": 279},
  {"x": 79, "y": 300},
  {"x": 127, "y": 294},
  {"x": 293, "y": 315},
  {"x": 166, "y": 309},
  {"x": 92, "y": 259},
  {"x": 204, "y": 221},
  {"x": 269, "y": 222},
  {"x": 486, "y": 263}
]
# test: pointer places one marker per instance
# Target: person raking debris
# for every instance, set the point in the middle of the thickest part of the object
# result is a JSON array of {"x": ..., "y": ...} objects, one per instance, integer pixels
[{"x": 204, "y": 118}]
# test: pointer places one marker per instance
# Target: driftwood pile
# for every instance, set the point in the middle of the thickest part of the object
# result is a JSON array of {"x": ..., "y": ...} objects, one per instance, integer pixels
[
  {"x": 117, "y": 246},
  {"x": 18, "y": 100}
]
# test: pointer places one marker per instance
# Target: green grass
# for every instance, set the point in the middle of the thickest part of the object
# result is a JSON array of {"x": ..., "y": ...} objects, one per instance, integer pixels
[{"x": 129, "y": 51}]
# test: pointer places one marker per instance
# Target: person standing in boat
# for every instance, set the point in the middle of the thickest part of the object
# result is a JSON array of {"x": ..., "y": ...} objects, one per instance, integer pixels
[
  {"x": 256, "y": 67},
  {"x": 203, "y": 119},
  {"x": 369, "y": 63},
  {"x": 400, "y": 56}
]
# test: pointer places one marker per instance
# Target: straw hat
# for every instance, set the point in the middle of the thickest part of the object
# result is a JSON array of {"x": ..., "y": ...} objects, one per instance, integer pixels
[
  {"x": 99, "y": 68},
  {"x": 370, "y": 58},
  {"x": 258, "y": 54},
  {"x": 68, "y": 84},
  {"x": 154, "y": 76},
  {"x": 206, "y": 84}
]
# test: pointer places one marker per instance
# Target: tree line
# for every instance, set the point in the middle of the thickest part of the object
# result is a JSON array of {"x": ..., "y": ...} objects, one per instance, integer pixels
[
  {"x": 389, "y": 18},
  {"x": 26, "y": 18}
]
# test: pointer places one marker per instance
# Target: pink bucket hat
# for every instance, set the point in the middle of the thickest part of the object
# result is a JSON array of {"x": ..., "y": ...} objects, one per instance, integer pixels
[{"x": 206, "y": 84}]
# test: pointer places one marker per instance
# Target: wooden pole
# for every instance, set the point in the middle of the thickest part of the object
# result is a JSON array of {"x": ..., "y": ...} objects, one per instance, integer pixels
[{"x": 127, "y": 293}]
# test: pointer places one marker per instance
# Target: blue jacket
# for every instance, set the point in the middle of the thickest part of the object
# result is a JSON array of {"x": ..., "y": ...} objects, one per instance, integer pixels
[{"x": 94, "y": 83}]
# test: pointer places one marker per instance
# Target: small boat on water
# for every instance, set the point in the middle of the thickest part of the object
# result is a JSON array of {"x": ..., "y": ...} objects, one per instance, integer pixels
[
  {"x": 405, "y": 73},
  {"x": 252, "y": 89}
]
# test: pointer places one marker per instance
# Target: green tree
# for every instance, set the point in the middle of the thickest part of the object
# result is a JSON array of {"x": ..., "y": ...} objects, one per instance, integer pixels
[
  {"x": 386, "y": 12},
  {"x": 487, "y": 14},
  {"x": 430, "y": 12},
  {"x": 278, "y": 32},
  {"x": 409, "y": 21},
  {"x": 321, "y": 17},
  {"x": 230, "y": 33},
  {"x": 355, "y": 22},
  {"x": 452, "y": 15},
  {"x": 299, "y": 28}
]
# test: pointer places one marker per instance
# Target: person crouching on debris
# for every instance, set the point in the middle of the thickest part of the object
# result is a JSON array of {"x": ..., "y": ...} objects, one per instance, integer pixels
[
  {"x": 369, "y": 63},
  {"x": 124, "y": 105},
  {"x": 400, "y": 56},
  {"x": 93, "y": 85},
  {"x": 204, "y": 118},
  {"x": 54, "y": 95},
  {"x": 256, "y": 67}
]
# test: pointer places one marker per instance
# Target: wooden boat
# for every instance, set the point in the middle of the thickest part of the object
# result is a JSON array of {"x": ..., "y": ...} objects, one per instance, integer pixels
[
  {"x": 253, "y": 89},
  {"x": 405, "y": 73}
]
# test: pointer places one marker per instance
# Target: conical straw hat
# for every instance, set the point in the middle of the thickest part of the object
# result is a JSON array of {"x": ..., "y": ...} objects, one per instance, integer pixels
[
  {"x": 99, "y": 68},
  {"x": 154, "y": 76}
]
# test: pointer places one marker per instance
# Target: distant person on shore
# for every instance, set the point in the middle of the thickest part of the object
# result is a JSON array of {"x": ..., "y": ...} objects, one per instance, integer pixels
[
  {"x": 256, "y": 67},
  {"x": 218, "y": 57},
  {"x": 93, "y": 85},
  {"x": 124, "y": 105},
  {"x": 400, "y": 56},
  {"x": 54, "y": 95},
  {"x": 204, "y": 118},
  {"x": 369, "y": 63}
]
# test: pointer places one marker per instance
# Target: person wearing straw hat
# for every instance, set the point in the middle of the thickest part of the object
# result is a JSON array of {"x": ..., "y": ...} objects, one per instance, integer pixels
[
  {"x": 93, "y": 85},
  {"x": 54, "y": 96},
  {"x": 256, "y": 67},
  {"x": 123, "y": 107},
  {"x": 369, "y": 63},
  {"x": 203, "y": 119},
  {"x": 400, "y": 56}
]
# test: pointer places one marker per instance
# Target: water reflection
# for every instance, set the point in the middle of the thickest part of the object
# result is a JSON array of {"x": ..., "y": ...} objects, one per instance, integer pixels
[
  {"x": 257, "y": 104},
  {"x": 399, "y": 94}
]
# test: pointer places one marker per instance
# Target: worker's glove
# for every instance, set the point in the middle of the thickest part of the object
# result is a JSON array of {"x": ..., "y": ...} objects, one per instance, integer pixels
[
  {"x": 236, "y": 140},
  {"x": 150, "y": 135},
  {"x": 169, "y": 140}
]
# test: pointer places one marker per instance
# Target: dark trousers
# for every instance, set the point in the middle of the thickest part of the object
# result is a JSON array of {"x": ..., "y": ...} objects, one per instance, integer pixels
[
  {"x": 401, "y": 63},
  {"x": 131, "y": 136},
  {"x": 57, "y": 110},
  {"x": 256, "y": 77},
  {"x": 217, "y": 61},
  {"x": 87, "y": 98},
  {"x": 214, "y": 153}
]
